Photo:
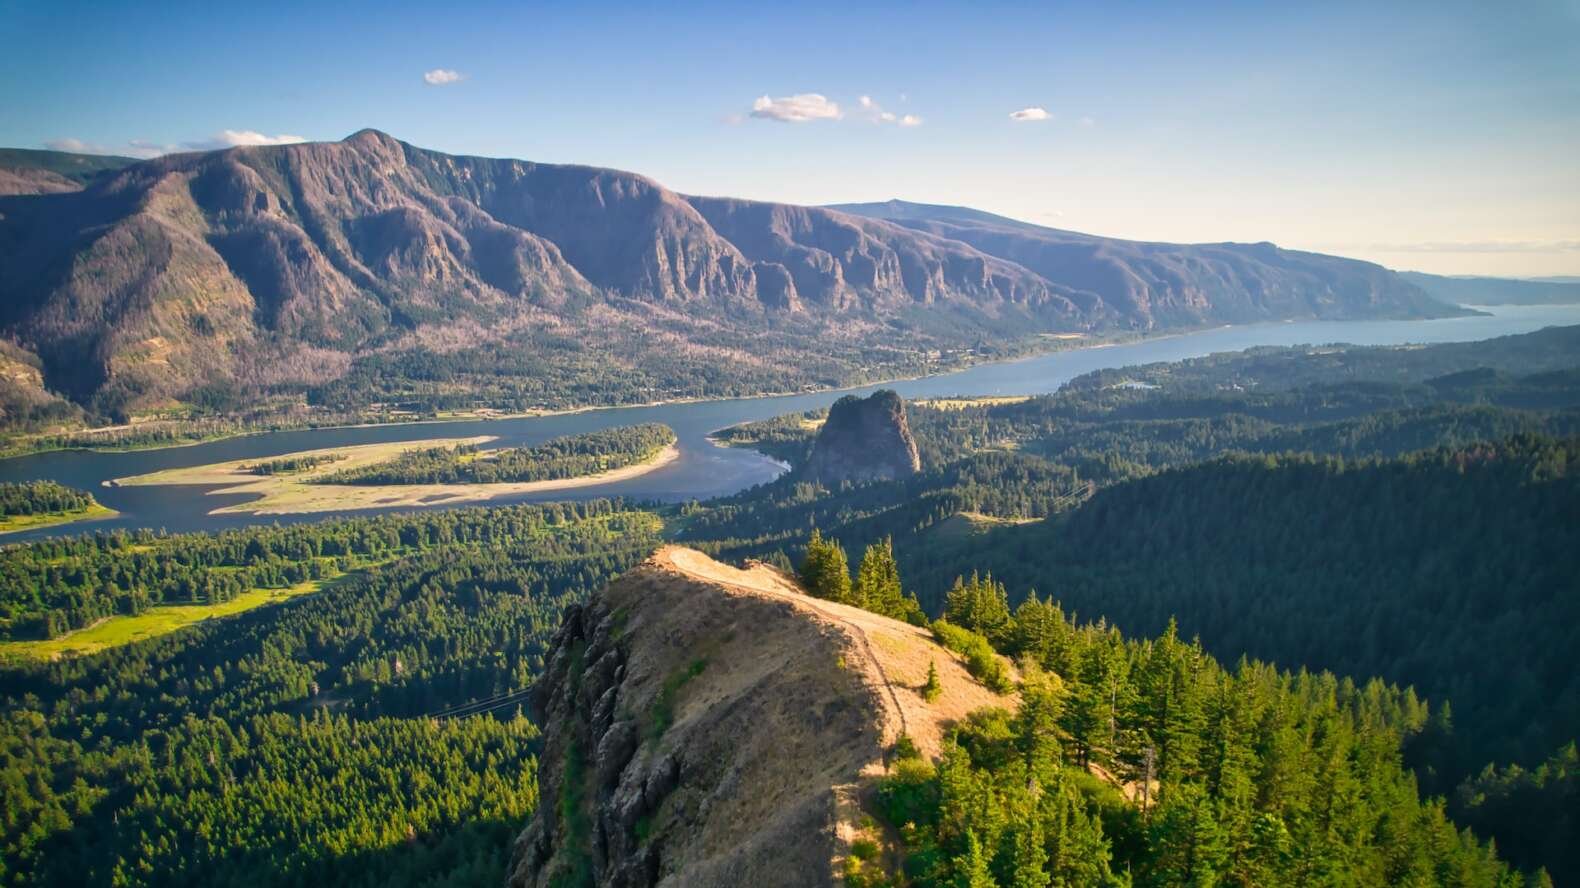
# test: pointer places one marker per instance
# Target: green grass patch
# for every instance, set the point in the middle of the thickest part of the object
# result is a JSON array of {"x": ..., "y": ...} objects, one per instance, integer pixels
[
  {"x": 152, "y": 623},
  {"x": 664, "y": 707},
  {"x": 981, "y": 660},
  {"x": 14, "y": 523}
]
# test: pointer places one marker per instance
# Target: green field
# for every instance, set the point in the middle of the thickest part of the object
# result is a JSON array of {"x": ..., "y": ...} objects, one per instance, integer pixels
[
  {"x": 14, "y": 523},
  {"x": 152, "y": 623}
]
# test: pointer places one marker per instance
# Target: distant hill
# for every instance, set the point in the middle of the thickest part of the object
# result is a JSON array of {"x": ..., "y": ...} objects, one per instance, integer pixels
[
  {"x": 1497, "y": 291},
  {"x": 383, "y": 271},
  {"x": 28, "y": 171},
  {"x": 1156, "y": 285}
]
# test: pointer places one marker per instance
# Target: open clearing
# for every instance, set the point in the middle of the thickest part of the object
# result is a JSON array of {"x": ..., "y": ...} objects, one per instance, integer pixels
[
  {"x": 152, "y": 623},
  {"x": 963, "y": 403},
  {"x": 288, "y": 494}
]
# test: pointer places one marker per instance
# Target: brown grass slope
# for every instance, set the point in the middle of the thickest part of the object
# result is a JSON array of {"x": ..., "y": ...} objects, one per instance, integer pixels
[{"x": 709, "y": 726}]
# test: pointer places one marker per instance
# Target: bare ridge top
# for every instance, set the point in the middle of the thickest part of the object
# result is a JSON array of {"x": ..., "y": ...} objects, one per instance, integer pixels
[{"x": 717, "y": 727}]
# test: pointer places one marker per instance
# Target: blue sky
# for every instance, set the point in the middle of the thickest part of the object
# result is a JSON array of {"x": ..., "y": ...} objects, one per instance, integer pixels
[{"x": 1441, "y": 136}]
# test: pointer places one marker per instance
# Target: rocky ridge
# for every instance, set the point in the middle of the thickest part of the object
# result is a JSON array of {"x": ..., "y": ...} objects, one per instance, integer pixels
[{"x": 708, "y": 726}]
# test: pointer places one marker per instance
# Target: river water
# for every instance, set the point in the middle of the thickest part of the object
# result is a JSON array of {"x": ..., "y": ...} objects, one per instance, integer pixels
[{"x": 703, "y": 469}]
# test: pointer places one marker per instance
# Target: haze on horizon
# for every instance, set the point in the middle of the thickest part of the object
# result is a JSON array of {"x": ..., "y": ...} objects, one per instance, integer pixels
[{"x": 1439, "y": 137}]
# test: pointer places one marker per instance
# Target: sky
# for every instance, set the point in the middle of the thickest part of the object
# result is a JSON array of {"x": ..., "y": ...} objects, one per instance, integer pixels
[{"x": 1439, "y": 136}]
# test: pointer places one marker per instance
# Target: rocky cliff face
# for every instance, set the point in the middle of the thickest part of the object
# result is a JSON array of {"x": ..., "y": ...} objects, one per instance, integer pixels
[
  {"x": 1150, "y": 286},
  {"x": 864, "y": 439},
  {"x": 707, "y": 726},
  {"x": 679, "y": 724},
  {"x": 160, "y": 278}
]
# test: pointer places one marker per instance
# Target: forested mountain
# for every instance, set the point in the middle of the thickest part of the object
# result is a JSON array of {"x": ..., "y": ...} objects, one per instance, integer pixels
[
  {"x": 369, "y": 269},
  {"x": 1451, "y": 571},
  {"x": 710, "y": 726}
]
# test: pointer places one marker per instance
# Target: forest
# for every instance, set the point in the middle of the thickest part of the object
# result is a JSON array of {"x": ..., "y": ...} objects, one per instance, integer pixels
[
  {"x": 1361, "y": 526},
  {"x": 323, "y": 741},
  {"x": 571, "y": 456},
  {"x": 41, "y": 497},
  {"x": 291, "y": 465},
  {"x": 1430, "y": 540},
  {"x": 1146, "y": 762}
]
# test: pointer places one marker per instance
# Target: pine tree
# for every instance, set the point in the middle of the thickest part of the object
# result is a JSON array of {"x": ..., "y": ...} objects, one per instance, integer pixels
[
  {"x": 878, "y": 588},
  {"x": 825, "y": 571},
  {"x": 971, "y": 868},
  {"x": 981, "y": 605},
  {"x": 933, "y": 688},
  {"x": 1030, "y": 857}
]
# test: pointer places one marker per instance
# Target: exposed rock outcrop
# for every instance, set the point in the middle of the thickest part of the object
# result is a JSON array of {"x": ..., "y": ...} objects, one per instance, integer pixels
[
  {"x": 171, "y": 275},
  {"x": 865, "y": 439},
  {"x": 707, "y": 726}
]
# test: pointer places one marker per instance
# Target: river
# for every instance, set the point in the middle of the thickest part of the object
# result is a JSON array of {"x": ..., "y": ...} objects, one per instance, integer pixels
[{"x": 703, "y": 469}]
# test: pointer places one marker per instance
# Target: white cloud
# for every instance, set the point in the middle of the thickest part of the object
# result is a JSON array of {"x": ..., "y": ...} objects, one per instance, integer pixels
[
  {"x": 1029, "y": 114},
  {"x": 798, "y": 108},
  {"x": 442, "y": 77},
  {"x": 1088, "y": 122},
  {"x": 237, "y": 138},
  {"x": 76, "y": 146},
  {"x": 875, "y": 113}
]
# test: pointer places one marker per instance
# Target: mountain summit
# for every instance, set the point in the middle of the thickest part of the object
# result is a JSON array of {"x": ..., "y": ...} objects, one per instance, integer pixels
[{"x": 221, "y": 277}]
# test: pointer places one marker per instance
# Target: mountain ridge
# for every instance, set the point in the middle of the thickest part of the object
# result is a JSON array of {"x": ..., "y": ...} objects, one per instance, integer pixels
[
  {"x": 228, "y": 275},
  {"x": 708, "y": 725}
]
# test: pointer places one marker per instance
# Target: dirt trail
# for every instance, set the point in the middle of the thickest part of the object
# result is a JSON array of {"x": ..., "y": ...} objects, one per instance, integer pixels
[{"x": 893, "y": 657}]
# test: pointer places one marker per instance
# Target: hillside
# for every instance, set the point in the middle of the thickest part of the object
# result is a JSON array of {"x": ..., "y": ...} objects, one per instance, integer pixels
[
  {"x": 1158, "y": 285},
  {"x": 1496, "y": 291},
  {"x": 369, "y": 270},
  {"x": 28, "y": 171},
  {"x": 706, "y": 725}
]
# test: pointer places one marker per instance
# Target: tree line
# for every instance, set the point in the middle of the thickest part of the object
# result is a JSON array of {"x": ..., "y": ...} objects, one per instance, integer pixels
[
  {"x": 42, "y": 498},
  {"x": 572, "y": 456}
]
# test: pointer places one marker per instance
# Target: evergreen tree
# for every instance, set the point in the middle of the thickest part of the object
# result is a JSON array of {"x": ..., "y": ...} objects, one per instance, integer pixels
[
  {"x": 824, "y": 570},
  {"x": 877, "y": 586},
  {"x": 971, "y": 868},
  {"x": 933, "y": 688},
  {"x": 981, "y": 606}
]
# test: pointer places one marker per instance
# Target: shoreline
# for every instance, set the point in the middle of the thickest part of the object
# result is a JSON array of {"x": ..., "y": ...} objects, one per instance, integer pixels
[
  {"x": 1054, "y": 343},
  {"x": 20, "y": 523},
  {"x": 296, "y": 495},
  {"x": 1043, "y": 345}
]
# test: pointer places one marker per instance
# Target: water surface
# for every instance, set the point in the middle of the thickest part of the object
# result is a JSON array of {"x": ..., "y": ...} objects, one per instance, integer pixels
[{"x": 703, "y": 470}]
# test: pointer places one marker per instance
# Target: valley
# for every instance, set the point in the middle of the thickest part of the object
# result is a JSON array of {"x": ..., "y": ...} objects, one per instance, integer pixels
[
  {"x": 700, "y": 470},
  {"x": 1001, "y": 569},
  {"x": 534, "y": 445}
]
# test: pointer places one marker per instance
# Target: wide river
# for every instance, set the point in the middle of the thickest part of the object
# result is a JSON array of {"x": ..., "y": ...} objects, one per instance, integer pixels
[{"x": 703, "y": 469}]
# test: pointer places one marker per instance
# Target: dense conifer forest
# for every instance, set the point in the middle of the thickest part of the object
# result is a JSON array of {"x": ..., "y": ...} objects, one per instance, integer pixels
[{"x": 327, "y": 740}]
